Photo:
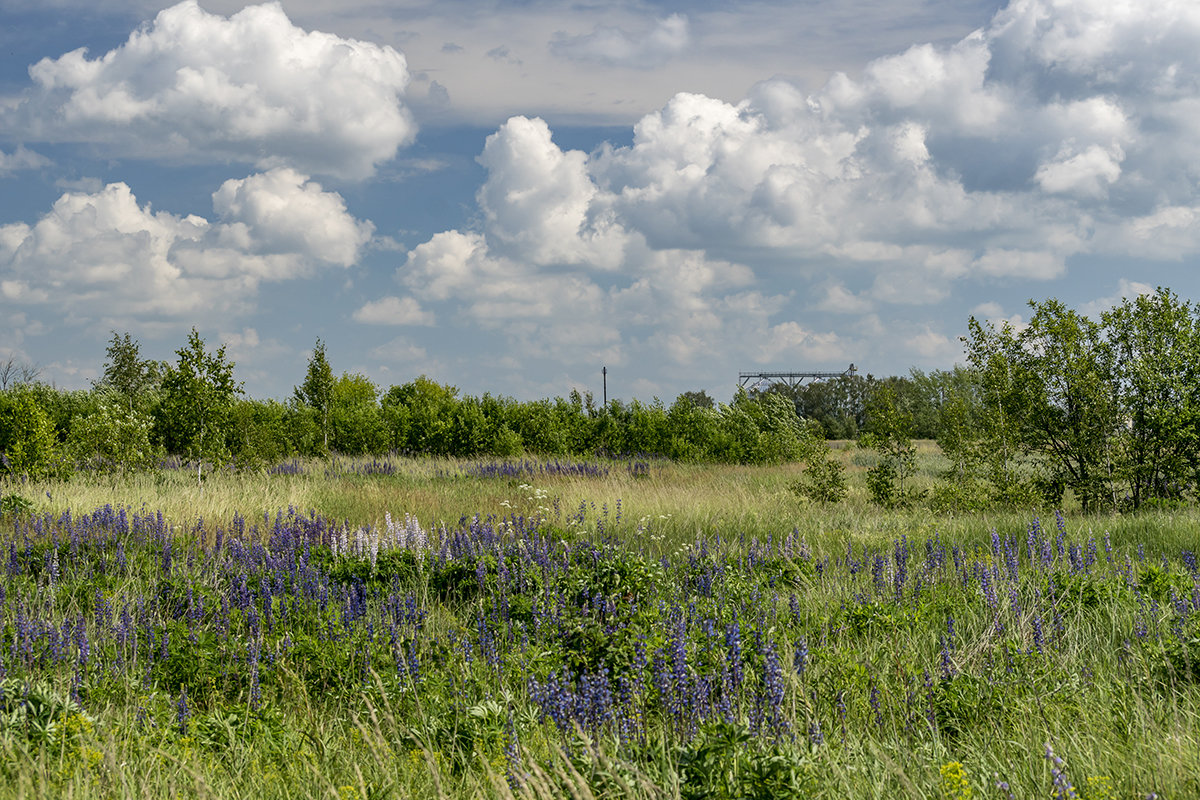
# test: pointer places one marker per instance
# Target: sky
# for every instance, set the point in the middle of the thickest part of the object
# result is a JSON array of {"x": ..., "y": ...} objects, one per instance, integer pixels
[{"x": 507, "y": 196}]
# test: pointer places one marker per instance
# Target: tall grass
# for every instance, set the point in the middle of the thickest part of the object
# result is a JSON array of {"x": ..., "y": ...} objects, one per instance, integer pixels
[{"x": 690, "y": 631}]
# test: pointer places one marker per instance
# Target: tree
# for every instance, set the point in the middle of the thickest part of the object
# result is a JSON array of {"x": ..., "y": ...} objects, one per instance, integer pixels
[
  {"x": 699, "y": 399},
  {"x": 113, "y": 437},
  {"x": 317, "y": 390},
  {"x": 1155, "y": 346},
  {"x": 354, "y": 410},
  {"x": 418, "y": 415},
  {"x": 28, "y": 445},
  {"x": 198, "y": 396},
  {"x": 1074, "y": 414},
  {"x": 1048, "y": 392},
  {"x": 14, "y": 373},
  {"x": 126, "y": 374},
  {"x": 889, "y": 432}
]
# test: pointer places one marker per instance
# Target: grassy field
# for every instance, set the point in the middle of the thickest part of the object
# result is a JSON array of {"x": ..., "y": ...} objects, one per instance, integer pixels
[{"x": 548, "y": 629}]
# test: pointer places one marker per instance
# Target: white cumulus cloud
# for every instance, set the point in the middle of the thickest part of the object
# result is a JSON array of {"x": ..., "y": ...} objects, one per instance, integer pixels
[
  {"x": 393, "y": 311},
  {"x": 1060, "y": 130},
  {"x": 103, "y": 256},
  {"x": 252, "y": 87}
]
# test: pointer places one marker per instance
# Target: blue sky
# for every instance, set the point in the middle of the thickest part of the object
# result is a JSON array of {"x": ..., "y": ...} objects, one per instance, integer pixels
[{"x": 506, "y": 196}]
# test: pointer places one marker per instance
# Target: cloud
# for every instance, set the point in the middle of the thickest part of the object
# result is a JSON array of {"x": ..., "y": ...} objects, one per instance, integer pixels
[
  {"x": 1061, "y": 129},
  {"x": 282, "y": 211},
  {"x": 1088, "y": 173},
  {"x": 21, "y": 159},
  {"x": 615, "y": 48},
  {"x": 503, "y": 54},
  {"x": 934, "y": 346},
  {"x": 1126, "y": 290},
  {"x": 100, "y": 256},
  {"x": 253, "y": 87},
  {"x": 393, "y": 311},
  {"x": 560, "y": 278},
  {"x": 399, "y": 350}
]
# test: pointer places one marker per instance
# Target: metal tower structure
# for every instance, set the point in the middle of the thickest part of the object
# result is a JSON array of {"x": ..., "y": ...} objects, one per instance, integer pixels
[{"x": 793, "y": 380}]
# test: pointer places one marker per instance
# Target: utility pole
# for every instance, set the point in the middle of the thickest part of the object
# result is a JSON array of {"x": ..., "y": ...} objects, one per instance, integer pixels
[{"x": 604, "y": 372}]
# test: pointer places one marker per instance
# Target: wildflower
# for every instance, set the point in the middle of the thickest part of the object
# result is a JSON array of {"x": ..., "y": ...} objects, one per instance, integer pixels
[
  {"x": 1062, "y": 784},
  {"x": 800, "y": 661},
  {"x": 955, "y": 785},
  {"x": 182, "y": 713}
]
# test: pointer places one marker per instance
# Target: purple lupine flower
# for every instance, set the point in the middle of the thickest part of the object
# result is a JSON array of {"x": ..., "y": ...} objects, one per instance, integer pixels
[
  {"x": 878, "y": 569},
  {"x": 947, "y": 662},
  {"x": 814, "y": 733},
  {"x": 255, "y": 689},
  {"x": 876, "y": 705},
  {"x": 985, "y": 583},
  {"x": 1033, "y": 540},
  {"x": 773, "y": 688},
  {"x": 733, "y": 645},
  {"x": 182, "y": 713},
  {"x": 1060, "y": 522},
  {"x": 930, "y": 704},
  {"x": 1062, "y": 784},
  {"x": 800, "y": 659}
]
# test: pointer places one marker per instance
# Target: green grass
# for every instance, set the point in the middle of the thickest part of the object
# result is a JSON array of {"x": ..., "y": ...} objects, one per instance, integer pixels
[{"x": 1098, "y": 663}]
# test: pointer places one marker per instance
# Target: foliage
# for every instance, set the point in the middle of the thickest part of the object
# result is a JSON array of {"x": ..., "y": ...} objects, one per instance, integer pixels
[
  {"x": 724, "y": 764},
  {"x": 317, "y": 390},
  {"x": 263, "y": 433},
  {"x": 27, "y": 440},
  {"x": 1155, "y": 370},
  {"x": 198, "y": 398},
  {"x": 824, "y": 478},
  {"x": 1108, "y": 409},
  {"x": 114, "y": 437},
  {"x": 355, "y": 420},
  {"x": 889, "y": 431},
  {"x": 549, "y": 658},
  {"x": 125, "y": 374}
]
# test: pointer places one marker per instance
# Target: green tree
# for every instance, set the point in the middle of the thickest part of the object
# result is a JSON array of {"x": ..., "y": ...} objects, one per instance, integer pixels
[
  {"x": 114, "y": 437},
  {"x": 762, "y": 429},
  {"x": 126, "y": 374},
  {"x": 261, "y": 433},
  {"x": 1048, "y": 393},
  {"x": 889, "y": 433},
  {"x": 996, "y": 433},
  {"x": 355, "y": 416},
  {"x": 1155, "y": 342},
  {"x": 198, "y": 396},
  {"x": 698, "y": 399},
  {"x": 28, "y": 445},
  {"x": 317, "y": 390},
  {"x": 418, "y": 415},
  {"x": 1074, "y": 414}
]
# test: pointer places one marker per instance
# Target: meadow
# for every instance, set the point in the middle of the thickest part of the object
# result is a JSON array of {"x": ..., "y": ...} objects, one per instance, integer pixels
[{"x": 603, "y": 628}]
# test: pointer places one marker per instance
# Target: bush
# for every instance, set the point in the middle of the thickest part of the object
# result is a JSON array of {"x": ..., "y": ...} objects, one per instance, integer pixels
[
  {"x": 113, "y": 437},
  {"x": 27, "y": 439},
  {"x": 824, "y": 481}
]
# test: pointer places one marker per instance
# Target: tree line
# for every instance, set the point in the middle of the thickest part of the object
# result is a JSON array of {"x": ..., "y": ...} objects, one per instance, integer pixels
[
  {"x": 141, "y": 411},
  {"x": 1107, "y": 408}
]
